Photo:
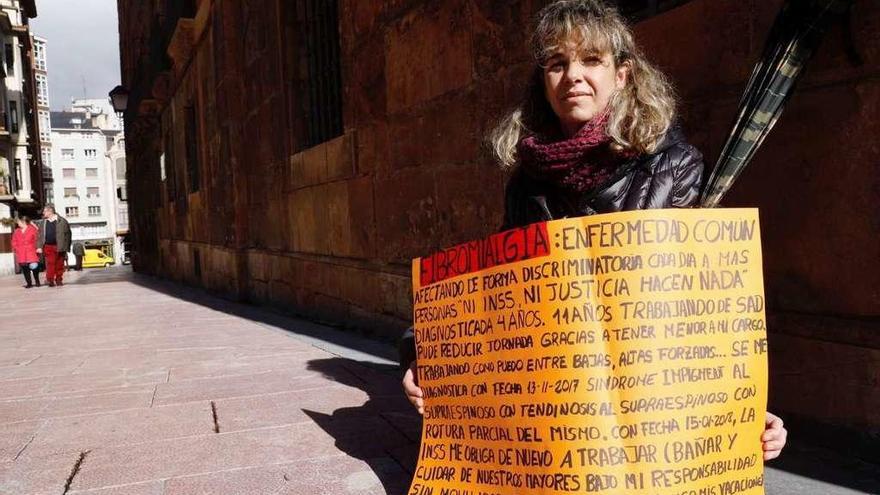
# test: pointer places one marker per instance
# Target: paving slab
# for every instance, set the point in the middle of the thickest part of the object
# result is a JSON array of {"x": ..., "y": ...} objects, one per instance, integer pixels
[
  {"x": 203, "y": 454},
  {"x": 147, "y": 488},
  {"x": 15, "y": 437},
  {"x": 238, "y": 386},
  {"x": 338, "y": 475},
  {"x": 37, "y": 475},
  {"x": 76, "y": 405},
  {"x": 134, "y": 426}
]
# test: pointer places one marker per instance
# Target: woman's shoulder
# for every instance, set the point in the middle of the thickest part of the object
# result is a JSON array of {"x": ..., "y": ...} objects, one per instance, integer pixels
[{"x": 675, "y": 153}]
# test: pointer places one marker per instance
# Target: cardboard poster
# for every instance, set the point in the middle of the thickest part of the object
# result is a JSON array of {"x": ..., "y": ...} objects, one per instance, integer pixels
[{"x": 621, "y": 354}]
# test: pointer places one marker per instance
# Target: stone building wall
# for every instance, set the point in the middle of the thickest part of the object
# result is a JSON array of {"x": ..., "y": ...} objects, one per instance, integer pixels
[{"x": 328, "y": 231}]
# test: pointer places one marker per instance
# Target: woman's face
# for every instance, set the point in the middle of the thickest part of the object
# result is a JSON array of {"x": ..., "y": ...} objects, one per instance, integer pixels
[
  {"x": 579, "y": 85},
  {"x": 21, "y": 223}
]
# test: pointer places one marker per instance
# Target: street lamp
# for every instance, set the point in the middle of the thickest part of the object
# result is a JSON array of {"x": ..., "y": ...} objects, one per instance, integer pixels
[{"x": 119, "y": 98}]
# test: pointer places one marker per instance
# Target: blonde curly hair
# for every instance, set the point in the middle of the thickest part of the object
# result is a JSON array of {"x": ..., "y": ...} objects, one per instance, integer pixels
[{"x": 640, "y": 114}]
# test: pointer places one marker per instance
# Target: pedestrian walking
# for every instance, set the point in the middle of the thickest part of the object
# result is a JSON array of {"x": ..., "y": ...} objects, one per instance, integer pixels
[
  {"x": 54, "y": 244},
  {"x": 24, "y": 247},
  {"x": 595, "y": 133},
  {"x": 79, "y": 251}
]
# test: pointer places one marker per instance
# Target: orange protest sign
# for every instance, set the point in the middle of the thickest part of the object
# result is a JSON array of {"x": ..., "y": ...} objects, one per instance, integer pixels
[{"x": 621, "y": 353}]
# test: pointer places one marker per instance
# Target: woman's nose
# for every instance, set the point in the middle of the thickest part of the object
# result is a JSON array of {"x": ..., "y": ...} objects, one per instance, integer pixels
[{"x": 574, "y": 73}]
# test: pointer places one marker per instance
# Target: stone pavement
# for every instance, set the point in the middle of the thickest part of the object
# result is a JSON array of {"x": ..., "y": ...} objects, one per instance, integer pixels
[
  {"x": 110, "y": 385},
  {"x": 123, "y": 384}
]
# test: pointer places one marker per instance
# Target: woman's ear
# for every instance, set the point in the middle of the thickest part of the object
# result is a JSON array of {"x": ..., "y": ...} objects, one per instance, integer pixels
[{"x": 622, "y": 75}]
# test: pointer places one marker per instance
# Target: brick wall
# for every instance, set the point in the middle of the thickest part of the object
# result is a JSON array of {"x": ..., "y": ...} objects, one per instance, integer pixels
[{"x": 328, "y": 231}]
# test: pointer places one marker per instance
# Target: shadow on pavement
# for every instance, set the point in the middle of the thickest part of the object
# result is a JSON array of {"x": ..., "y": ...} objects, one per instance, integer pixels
[
  {"x": 825, "y": 465},
  {"x": 88, "y": 276},
  {"x": 347, "y": 343},
  {"x": 384, "y": 432}
]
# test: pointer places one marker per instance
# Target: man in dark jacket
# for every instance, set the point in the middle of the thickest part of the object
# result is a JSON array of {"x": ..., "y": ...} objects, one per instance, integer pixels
[
  {"x": 79, "y": 251},
  {"x": 54, "y": 243}
]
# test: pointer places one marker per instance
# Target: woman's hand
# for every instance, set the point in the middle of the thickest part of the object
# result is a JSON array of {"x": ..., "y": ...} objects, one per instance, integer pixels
[
  {"x": 39, "y": 250},
  {"x": 774, "y": 436},
  {"x": 412, "y": 390}
]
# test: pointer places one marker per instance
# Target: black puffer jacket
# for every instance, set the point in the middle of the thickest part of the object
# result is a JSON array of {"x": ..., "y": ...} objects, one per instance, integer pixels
[
  {"x": 668, "y": 178},
  {"x": 671, "y": 177}
]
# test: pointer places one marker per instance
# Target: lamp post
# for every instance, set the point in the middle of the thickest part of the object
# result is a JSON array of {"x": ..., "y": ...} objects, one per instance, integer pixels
[{"x": 119, "y": 99}]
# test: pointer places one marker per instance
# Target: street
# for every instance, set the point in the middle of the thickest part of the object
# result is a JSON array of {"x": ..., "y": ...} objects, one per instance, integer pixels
[{"x": 117, "y": 383}]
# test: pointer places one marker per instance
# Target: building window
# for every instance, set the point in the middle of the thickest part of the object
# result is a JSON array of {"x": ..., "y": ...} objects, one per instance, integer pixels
[
  {"x": 10, "y": 59},
  {"x": 192, "y": 148},
  {"x": 67, "y": 154},
  {"x": 170, "y": 173},
  {"x": 13, "y": 116},
  {"x": 40, "y": 55},
  {"x": 42, "y": 90},
  {"x": 322, "y": 86},
  {"x": 71, "y": 211},
  {"x": 93, "y": 192},
  {"x": 94, "y": 211},
  {"x": 70, "y": 192},
  {"x": 68, "y": 173},
  {"x": 122, "y": 216},
  {"x": 45, "y": 126},
  {"x": 47, "y": 158},
  {"x": 91, "y": 230},
  {"x": 122, "y": 193},
  {"x": 120, "y": 168},
  {"x": 19, "y": 180},
  {"x": 91, "y": 173},
  {"x": 91, "y": 154}
]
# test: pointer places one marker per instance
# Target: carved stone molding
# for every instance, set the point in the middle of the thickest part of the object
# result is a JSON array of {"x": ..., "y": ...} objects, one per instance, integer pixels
[{"x": 180, "y": 48}]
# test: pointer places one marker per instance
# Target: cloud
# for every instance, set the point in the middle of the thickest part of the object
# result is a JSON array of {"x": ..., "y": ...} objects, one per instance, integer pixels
[{"x": 83, "y": 47}]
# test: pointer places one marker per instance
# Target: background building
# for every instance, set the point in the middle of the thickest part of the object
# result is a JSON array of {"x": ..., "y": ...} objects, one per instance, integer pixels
[
  {"x": 87, "y": 149},
  {"x": 21, "y": 171},
  {"x": 41, "y": 76},
  {"x": 300, "y": 153}
]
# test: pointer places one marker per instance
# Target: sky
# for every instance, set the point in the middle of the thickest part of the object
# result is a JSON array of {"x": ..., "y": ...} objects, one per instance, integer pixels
[{"x": 83, "y": 48}]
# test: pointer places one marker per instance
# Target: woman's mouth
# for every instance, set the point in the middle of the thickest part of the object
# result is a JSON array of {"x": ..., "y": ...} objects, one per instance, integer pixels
[{"x": 573, "y": 95}]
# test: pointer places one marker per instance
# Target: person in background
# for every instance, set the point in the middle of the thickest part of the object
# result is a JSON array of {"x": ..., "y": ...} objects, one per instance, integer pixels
[
  {"x": 595, "y": 133},
  {"x": 78, "y": 251},
  {"x": 24, "y": 246},
  {"x": 54, "y": 243}
]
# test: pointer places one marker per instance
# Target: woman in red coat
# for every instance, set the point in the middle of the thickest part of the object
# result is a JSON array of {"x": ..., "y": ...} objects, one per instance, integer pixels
[{"x": 24, "y": 245}]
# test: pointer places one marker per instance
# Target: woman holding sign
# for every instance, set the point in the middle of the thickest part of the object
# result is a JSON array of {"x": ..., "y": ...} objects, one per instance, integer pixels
[{"x": 595, "y": 133}]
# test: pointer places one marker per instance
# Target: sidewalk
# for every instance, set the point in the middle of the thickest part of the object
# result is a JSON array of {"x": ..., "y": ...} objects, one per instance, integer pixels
[
  {"x": 122, "y": 384},
  {"x": 113, "y": 384}
]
